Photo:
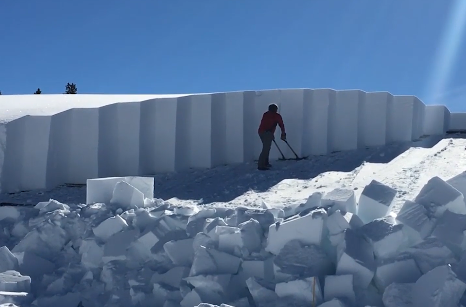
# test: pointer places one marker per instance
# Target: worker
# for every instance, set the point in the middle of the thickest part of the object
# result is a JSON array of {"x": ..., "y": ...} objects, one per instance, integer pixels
[{"x": 266, "y": 131}]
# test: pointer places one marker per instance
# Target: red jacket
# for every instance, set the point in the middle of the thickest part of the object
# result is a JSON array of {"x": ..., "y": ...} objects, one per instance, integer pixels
[{"x": 269, "y": 122}]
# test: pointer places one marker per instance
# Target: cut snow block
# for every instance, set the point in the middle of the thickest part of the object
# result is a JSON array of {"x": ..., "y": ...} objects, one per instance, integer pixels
[
  {"x": 100, "y": 190},
  {"x": 116, "y": 246},
  {"x": 299, "y": 259},
  {"x": 333, "y": 303},
  {"x": 126, "y": 196},
  {"x": 374, "y": 119},
  {"x": 436, "y": 120},
  {"x": 356, "y": 257},
  {"x": 8, "y": 261},
  {"x": 26, "y": 151},
  {"x": 386, "y": 236},
  {"x": 450, "y": 229},
  {"x": 301, "y": 290},
  {"x": 405, "y": 119},
  {"x": 262, "y": 296},
  {"x": 119, "y": 139},
  {"x": 109, "y": 227},
  {"x": 437, "y": 288},
  {"x": 337, "y": 223},
  {"x": 459, "y": 182},
  {"x": 291, "y": 110},
  {"x": 234, "y": 128},
  {"x": 251, "y": 235},
  {"x": 183, "y": 132},
  {"x": 375, "y": 201},
  {"x": 210, "y": 261},
  {"x": 344, "y": 120},
  {"x": 339, "y": 287},
  {"x": 400, "y": 269},
  {"x": 262, "y": 100},
  {"x": 457, "y": 122},
  {"x": 340, "y": 199},
  {"x": 73, "y": 147},
  {"x": 262, "y": 269},
  {"x": 308, "y": 228},
  {"x": 437, "y": 196},
  {"x": 316, "y": 125},
  {"x": 206, "y": 131},
  {"x": 13, "y": 281},
  {"x": 157, "y": 135},
  {"x": 416, "y": 224},
  {"x": 180, "y": 252},
  {"x": 430, "y": 254}
]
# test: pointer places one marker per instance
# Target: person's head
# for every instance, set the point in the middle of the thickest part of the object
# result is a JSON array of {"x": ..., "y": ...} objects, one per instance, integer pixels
[{"x": 273, "y": 108}]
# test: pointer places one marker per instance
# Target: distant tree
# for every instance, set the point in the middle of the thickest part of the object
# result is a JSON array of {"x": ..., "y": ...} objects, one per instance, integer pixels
[
  {"x": 71, "y": 88},
  {"x": 0, "y": 92},
  {"x": 38, "y": 91}
]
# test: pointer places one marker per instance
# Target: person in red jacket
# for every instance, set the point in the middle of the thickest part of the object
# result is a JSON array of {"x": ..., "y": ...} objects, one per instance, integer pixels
[{"x": 266, "y": 131}]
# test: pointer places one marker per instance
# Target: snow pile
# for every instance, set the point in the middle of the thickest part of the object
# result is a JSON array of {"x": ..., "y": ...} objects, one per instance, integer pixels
[{"x": 331, "y": 251}]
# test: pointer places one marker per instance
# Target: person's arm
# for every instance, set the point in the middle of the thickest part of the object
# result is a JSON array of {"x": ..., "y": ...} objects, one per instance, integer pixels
[{"x": 282, "y": 126}]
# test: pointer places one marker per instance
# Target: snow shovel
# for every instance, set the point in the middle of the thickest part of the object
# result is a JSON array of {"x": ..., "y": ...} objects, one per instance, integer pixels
[
  {"x": 283, "y": 156},
  {"x": 297, "y": 158}
]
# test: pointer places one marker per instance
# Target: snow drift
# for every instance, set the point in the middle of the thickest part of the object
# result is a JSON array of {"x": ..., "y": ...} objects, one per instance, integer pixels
[{"x": 202, "y": 131}]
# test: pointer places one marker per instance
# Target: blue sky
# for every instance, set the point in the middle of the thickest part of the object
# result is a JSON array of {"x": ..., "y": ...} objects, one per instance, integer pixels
[{"x": 414, "y": 47}]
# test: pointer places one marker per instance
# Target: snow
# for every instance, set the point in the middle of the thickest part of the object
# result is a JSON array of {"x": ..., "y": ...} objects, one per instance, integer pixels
[{"x": 304, "y": 233}]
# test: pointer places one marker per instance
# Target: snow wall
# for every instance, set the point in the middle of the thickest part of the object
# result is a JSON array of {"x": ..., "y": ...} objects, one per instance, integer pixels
[{"x": 203, "y": 131}]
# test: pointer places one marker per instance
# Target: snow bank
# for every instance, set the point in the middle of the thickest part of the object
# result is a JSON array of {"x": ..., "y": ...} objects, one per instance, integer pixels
[
  {"x": 136, "y": 252},
  {"x": 164, "y": 134},
  {"x": 436, "y": 120},
  {"x": 457, "y": 122}
]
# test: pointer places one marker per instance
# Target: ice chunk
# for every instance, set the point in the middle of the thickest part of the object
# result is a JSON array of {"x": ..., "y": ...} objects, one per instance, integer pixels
[
  {"x": 308, "y": 228},
  {"x": 401, "y": 269},
  {"x": 251, "y": 235},
  {"x": 416, "y": 224},
  {"x": 109, "y": 227},
  {"x": 13, "y": 281},
  {"x": 375, "y": 201},
  {"x": 211, "y": 225},
  {"x": 229, "y": 239},
  {"x": 51, "y": 205},
  {"x": 340, "y": 199},
  {"x": 337, "y": 223},
  {"x": 33, "y": 265},
  {"x": 126, "y": 196},
  {"x": 430, "y": 254},
  {"x": 299, "y": 259},
  {"x": 9, "y": 213},
  {"x": 304, "y": 290},
  {"x": 8, "y": 261},
  {"x": 437, "y": 288},
  {"x": 264, "y": 217},
  {"x": 172, "y": 277},
  {"x": 180, "y": 252},
  {"x": 210, "y": 261},
  {"x": 398, "y": 295},
  {"x": 261, "y": 295},
  {"x": 356, "y": 257},
  {"x": 116, "y": 246},
  {"x": 100, "y": 190},
  {"x": 198, "y": 221},
  {"x": 91, "y": 254},
  {"x": 386, "y": 236},
  {"x": 312, "y": 202},
  {"x": 262, "y": 269},
  {"x": 437, "y": 196},
  {"x": 459, "y": 182},
  {"x": 450, "y": 229},
  {"x": 339, "y": 287}
]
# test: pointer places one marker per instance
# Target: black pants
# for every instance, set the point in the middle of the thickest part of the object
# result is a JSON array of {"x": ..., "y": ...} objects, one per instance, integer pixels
[{"x": 267, "y": 139}]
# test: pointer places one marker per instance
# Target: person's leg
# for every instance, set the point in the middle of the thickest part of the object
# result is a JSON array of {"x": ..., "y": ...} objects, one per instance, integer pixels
[{"x": 266, "y": 138}]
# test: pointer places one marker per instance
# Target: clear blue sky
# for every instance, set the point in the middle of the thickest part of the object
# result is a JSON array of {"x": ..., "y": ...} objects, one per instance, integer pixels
[{"x": 413, "y": 47}]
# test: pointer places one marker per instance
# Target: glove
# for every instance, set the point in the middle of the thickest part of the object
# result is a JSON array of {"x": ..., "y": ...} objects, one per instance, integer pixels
[{"x": 283, "y": 137}]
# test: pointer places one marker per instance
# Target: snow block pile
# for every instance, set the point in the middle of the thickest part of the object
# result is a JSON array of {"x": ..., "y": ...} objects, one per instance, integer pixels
[
  {"x": 333, "y": 250},
  {"x": 203, "y": 131}
]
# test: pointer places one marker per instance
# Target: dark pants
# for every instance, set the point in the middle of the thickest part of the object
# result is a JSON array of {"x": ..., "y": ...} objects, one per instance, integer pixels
[{"x": 267, "y": 139}]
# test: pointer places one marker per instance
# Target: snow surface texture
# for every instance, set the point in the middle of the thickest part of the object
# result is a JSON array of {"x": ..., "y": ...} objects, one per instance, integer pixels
[
  {"x": 140, "y": 251},
  {"x": 176, "y": 133}
]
